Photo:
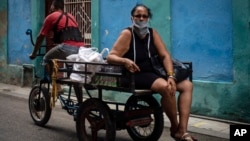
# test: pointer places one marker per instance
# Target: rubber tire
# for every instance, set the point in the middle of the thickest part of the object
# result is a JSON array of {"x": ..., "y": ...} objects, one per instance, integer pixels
[
  {"x": 158, "y": 120},
  {"x": 92, "y": 105},
  {"x": 46, "y": 109}
]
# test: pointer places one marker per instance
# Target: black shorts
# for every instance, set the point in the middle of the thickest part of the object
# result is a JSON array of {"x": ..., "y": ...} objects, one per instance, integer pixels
[{"x": 143, "y": 80}]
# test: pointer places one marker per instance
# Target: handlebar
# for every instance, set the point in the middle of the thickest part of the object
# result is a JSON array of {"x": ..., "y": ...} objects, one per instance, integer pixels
[{"x": 29, "y": 32}]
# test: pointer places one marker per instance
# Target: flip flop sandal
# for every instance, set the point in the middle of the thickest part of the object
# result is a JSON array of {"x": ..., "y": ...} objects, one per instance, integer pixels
[
  {"x": 185, "y": 137},
  {"x": 188, "y": 137}
]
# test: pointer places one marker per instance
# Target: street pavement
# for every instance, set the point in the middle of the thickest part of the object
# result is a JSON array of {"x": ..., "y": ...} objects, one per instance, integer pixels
[{"x": 197, "y": 124}]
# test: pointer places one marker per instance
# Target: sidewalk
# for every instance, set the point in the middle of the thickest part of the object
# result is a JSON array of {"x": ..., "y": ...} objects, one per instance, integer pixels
[{"x": 202, "y": 125}]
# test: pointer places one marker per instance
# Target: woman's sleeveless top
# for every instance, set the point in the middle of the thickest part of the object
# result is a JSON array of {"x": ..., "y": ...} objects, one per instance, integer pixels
[{"x": 141, "y": 47}]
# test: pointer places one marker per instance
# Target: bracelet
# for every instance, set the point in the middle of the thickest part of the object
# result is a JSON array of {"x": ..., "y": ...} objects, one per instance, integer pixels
[
  {"x": 170, "y": 73},
  {"x": 171, "y": 76}
]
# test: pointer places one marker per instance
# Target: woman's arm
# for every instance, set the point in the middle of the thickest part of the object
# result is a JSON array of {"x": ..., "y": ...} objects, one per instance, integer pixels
[
  {"x": 163, "y": 53},
  {"x": 120, "y": 47},
  {"x": 167, "y": 61}
]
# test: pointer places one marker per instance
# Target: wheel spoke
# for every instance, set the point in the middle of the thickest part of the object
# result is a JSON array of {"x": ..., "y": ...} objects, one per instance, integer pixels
[
  {"x": 96, "y": 114},
  {"x": 39, "y": 107},
  {"x": 140, "y": 108}
]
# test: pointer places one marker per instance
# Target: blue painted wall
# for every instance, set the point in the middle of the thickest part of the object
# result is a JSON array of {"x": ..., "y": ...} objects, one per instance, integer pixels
[
  {"x": 19, "y": 20},
  {"x": 201, "y": 30},
  {"x": 3, "y": 35},
  {"x": 202, "y": 33},
  {"x": 114, "y": 16}
]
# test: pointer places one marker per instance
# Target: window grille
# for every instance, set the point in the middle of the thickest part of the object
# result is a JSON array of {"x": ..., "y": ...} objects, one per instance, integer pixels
[{"x": 81, "y": 9}]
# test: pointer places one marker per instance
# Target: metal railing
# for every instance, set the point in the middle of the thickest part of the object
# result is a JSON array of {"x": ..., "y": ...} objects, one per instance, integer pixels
[{"x": 81, "y": 9}]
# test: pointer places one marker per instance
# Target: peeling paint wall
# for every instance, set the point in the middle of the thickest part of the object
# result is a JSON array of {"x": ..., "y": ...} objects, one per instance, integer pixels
[
  {"x": 3, "y": 38},
  {"x": 202, "y": 33},
  {"x": 19, "y": 45},
  {"x": 114, "y": 16},
  {"x": 15, "y": 45},
  {"x": 227, "y": 99}
]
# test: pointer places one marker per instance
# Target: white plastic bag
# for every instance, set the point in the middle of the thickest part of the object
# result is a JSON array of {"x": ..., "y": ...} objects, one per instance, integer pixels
[
  {"x": 86, "y": 55},
  {"x": 89, "y": 55}
]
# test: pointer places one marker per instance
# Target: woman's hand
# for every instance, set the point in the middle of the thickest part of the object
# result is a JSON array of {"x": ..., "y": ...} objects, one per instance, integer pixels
[
  {"x": 131, "y": 66},
  {"x": 172, "y": 86}
]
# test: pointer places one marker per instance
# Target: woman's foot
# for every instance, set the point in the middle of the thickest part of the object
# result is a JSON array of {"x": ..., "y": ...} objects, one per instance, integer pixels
[
  {"x": 185, "y": 137},
  {"x": 173, "y": 131}
]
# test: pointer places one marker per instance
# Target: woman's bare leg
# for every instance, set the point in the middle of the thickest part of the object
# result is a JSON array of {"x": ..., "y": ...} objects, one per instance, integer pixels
[
  {"x": 168, "y": 102},
  {"x": 184, "y": 104}
]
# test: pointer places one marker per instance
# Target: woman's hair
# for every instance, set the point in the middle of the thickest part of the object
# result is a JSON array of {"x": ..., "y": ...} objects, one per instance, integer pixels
[
  {"x": 141, "y": 5},
  {"x": 58, "y": 4}
]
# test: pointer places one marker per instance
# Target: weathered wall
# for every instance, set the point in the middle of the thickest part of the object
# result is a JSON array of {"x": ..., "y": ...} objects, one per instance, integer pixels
[
  {"x": 113, "y": 18},
  {"x": 18, "y": 44},
  {"x": 225, "y": 93},
  {"x": 226, "y": 99},
  {"x": 15, "y": 45},
  {"x": 202, "y": 33},
  {"x": 116, "y": 16},
  {"x": 37, "y": 18},
  {"x": 3, "y": 37},
  {"x": 8, "y": 74}
]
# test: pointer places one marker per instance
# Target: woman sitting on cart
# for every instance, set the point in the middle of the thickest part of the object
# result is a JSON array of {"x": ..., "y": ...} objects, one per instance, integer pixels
[{"x": 131, "y": 50}]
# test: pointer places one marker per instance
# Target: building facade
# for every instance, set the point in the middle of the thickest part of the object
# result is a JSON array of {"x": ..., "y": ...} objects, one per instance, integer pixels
[{"x": 214, "y": 35}]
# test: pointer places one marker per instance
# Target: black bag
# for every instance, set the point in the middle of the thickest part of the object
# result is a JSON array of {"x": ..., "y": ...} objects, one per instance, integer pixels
[{"x": 181, "y": 71}]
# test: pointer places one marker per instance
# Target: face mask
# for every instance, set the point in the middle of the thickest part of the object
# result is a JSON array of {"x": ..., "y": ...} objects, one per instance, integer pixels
[{"x": 140, "y": 27}]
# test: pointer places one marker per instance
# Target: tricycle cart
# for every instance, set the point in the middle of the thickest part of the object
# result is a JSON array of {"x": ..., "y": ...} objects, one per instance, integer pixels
[{"x": 97, "y": 118}]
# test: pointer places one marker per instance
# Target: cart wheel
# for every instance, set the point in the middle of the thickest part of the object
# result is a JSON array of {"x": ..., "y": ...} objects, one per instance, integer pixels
[
  {"x": 144, "y": 118},
  {"x": 94, "y": 121},
  {"x": 39, "y": 105}
]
